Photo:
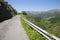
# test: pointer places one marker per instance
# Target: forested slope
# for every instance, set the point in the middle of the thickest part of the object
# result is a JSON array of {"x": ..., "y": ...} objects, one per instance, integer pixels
[{"x": 49, "y": 20}]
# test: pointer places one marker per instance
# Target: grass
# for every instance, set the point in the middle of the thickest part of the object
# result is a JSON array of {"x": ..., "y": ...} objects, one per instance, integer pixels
[
  {"x": 33, "y": 34},
  {"x": 52, "y": 26}
]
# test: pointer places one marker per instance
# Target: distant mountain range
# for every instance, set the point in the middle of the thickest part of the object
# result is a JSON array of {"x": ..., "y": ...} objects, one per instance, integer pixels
[{"x": 45, "y": 14}]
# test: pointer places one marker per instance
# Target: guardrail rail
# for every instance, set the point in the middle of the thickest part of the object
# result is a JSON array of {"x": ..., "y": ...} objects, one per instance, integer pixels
[{"x": 41, "y": 31}]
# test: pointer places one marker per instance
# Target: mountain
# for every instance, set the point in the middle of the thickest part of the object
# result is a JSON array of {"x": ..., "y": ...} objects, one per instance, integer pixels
[
  {"x": 50, "y": 13},
  {"x": 47, "y": 20}
]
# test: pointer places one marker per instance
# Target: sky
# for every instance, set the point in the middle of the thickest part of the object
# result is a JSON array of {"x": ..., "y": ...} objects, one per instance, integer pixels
[{"x": 34, "y": 5}]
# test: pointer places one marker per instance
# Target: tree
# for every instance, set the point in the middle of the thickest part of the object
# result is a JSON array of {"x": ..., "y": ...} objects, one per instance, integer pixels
[{"x": 24, "y": 13}]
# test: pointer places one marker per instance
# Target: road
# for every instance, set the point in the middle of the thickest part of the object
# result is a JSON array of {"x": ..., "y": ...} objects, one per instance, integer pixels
[{"x": 12, "y": 30}]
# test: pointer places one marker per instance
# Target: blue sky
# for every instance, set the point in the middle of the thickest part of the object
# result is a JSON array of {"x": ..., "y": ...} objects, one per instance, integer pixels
[{"x": 34, "y": 5}]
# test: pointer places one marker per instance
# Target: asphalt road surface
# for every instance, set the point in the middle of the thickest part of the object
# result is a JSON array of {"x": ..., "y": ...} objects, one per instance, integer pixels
[{"x": 12, "y": 30}]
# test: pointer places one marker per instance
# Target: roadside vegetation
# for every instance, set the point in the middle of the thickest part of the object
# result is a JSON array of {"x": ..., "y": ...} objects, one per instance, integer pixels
[
  {"x": 49, "y": 26},
  {"x": 33, "y": 34},
  {"x": 49, "y": 21}
]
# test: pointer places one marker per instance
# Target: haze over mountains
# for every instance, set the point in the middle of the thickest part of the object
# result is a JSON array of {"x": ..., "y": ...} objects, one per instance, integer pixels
[{"x": 45, "y": 14}]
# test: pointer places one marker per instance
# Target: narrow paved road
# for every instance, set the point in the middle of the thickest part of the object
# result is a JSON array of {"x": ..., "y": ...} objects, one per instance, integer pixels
[{"x": 12, "y": 30}]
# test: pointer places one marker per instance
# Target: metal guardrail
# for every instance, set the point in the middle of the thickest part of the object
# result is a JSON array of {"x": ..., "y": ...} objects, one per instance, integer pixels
[{"x": 41, "y": 31}]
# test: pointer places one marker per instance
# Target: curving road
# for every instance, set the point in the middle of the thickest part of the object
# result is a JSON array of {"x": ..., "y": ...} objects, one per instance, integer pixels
[{"x": 12, "y": 30}]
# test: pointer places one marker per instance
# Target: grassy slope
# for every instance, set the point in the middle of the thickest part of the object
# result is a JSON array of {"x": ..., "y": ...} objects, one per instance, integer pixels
[
  {"x": 33, "y": 35},
  {"x": 53, "y": 28},
  {"x": 46, "y": 24}
]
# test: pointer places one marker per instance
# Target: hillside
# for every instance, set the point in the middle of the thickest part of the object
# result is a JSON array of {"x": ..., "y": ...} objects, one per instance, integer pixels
[
  {"x": 44, "y": 14},
  {"x": 49, "y": 20},
  {"x": 6, "y": 11}
]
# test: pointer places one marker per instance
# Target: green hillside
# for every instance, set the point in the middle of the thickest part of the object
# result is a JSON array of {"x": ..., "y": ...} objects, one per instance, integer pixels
[{"x": 49, "y": 20}]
